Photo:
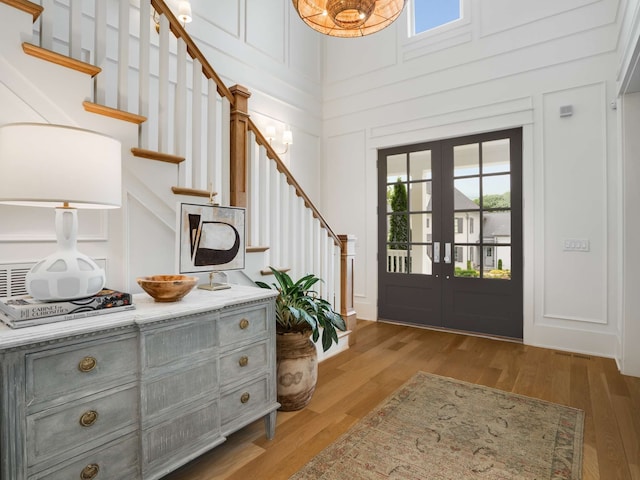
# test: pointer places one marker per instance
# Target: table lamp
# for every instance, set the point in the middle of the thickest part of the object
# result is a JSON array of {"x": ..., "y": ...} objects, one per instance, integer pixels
[{"x": 46, "y": 165}]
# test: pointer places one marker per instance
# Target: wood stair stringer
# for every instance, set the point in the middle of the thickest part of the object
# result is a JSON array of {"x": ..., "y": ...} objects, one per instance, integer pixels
[{"x": 59, "y": 59}]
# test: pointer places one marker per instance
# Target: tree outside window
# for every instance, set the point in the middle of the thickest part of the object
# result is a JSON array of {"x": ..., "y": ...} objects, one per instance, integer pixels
[{"x": 399, "y": 221}]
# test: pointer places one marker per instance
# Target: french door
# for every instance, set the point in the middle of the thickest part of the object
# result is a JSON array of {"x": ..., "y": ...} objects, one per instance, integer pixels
[{"x": 450, "y": 234}]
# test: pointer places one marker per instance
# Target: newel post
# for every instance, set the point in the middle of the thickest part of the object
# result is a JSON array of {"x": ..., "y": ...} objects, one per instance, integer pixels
[
  {"x": 239, "y": 132},
  {"x": 347, "y": 265}
]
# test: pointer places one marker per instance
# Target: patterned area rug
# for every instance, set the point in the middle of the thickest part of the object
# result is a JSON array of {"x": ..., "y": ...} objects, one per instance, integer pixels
[{"x": 443, "y": 429}]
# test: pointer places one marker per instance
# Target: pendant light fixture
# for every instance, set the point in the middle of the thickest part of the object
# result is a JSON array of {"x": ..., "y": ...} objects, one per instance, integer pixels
[{"x": 348, "y": 18}]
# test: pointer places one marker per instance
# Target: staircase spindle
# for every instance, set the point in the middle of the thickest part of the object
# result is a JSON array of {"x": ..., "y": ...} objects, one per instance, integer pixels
[
  {"x": 180, "y": 101},
  {"x": 100, "y": 50},
  {"x": 75, "y": 30},
  {"x": 213, "y": 170},
  {"x": 46, "y": 24},
  {"x": 123, "y": 55},
  {"x": 163, "y": 87},
  {"x": 198, "y": 178}
]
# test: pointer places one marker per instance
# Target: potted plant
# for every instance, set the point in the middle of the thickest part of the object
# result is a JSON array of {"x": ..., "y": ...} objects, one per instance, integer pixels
[{"x": 301, "y": 316}]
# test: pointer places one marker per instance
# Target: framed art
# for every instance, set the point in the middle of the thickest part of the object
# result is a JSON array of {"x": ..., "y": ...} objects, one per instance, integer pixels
[{"x": 212, "y": 238}]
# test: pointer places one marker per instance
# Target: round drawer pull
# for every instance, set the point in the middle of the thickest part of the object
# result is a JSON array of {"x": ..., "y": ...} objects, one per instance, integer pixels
[
  {"x": 90, "y": 471},
  {"x": 245, "y": 397},
  {"x": 244, "y": 323},
  {"x": 244, "y": 361},
  {"x": 87, "y": 364},
  {"x": 88, "y": 418}
]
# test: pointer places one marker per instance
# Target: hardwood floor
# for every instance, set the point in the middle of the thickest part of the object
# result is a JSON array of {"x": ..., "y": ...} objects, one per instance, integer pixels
[{"x": 385, "y": 356}]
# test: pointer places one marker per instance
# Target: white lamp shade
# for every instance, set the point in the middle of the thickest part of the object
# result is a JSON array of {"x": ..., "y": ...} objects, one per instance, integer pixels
[
  {"x": 287, "y": 137},
  {"x": 48, "y": 165},
  {"x": 270, "y": 132},
  {"x": 184, "y": 12}
]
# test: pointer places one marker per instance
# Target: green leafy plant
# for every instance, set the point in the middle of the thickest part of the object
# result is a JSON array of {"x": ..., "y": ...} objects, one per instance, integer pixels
[
  {"x": 299, "y": 308},
  {"x": 399, "y": 223}
]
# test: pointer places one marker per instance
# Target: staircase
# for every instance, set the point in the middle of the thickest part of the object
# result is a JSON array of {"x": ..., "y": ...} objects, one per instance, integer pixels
[{"x": 187, "y": 138}]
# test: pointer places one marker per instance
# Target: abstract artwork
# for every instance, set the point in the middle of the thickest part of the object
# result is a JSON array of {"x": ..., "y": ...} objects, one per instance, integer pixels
[{"x": 211, "y": 238}]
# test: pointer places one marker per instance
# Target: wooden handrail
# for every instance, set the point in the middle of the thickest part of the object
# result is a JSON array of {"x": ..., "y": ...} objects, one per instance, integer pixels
[
  {"x": 192, "y": 49},
  {"x": 31, "y": 8},
  {"x": 271, "y": 153}
]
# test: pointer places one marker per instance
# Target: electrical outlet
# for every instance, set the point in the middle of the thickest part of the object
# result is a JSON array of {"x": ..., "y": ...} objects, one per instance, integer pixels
[{"x": 576, "y": 245}]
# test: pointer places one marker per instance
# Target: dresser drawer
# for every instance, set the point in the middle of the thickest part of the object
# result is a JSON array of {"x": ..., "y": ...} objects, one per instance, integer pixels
[
  {"x": 243, "y": 362},
  {"x": 80, "y": 426},
  {"x": 116, "y": 461},
  {"x": 244, "y": 400},
  {"x": 85, "y": 368},
  {"x": 185, "y": 429},
  {"x": 179, "y": 343},
  {"x": 238, "y": 326},
  {"x": 178, "y": 388}
]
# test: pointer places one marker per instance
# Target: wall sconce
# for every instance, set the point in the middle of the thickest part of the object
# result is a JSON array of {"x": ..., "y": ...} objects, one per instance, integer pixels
[
  {"x": 184, "y": 15},
  {"x": 287, "y": 138}
]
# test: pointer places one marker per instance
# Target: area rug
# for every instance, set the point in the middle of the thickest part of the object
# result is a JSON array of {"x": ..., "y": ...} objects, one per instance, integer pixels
[{"x": 438, "y": 428}]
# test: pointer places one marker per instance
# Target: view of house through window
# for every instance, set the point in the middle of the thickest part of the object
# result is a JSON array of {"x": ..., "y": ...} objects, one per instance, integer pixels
[{"x": 429, "y": 14}]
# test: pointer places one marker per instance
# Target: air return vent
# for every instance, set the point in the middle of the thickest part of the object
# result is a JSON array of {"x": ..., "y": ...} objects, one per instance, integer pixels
[{"x": 12, "y": 279}]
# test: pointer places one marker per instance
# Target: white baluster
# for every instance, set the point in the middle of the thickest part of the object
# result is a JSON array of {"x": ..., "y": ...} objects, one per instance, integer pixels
[
  {"x": 293, "y": 239},
  {"x": 180, "y": 121},
  {"x": 198, "y": 179},
  {"x": 274, "y": 213},
  {"x": 75, "y": 30},
  {"x": 283, "y": 240},
  {"x": 213, "y": 173},
  {"x": 263, "y": 202},
  {"x": 123, "y": 55},
  {"x": 100, "y": 50},
  {"x": 253, "y": 190},
  {"x": 163, "y": 86},
  {"x": 46, "y": 24},
  {"x": 225, "y": 140},
  {"x": 309, "y": 242}
]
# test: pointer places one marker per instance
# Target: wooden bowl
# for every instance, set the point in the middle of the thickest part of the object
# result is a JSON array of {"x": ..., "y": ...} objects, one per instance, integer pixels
[{"x": 167, "y": 288}]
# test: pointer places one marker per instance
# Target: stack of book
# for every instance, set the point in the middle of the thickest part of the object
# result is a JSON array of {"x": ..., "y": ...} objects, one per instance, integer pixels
[{"x": 26, "y": 311}]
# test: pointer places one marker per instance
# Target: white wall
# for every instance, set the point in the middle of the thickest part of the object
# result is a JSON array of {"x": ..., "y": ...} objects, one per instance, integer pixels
[{"x": 509, "y": 64}]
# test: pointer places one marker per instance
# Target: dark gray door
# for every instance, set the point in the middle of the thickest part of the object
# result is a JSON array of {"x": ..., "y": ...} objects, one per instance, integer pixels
[{"x": 450, "y": 234}]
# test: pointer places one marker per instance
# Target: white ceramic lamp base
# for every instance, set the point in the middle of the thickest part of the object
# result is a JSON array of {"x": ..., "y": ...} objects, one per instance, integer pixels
[{"x": 66, "y": 274}]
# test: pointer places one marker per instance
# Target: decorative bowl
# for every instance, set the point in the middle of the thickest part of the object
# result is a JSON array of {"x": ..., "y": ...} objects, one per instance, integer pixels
[{"x": 167, "y": 288}]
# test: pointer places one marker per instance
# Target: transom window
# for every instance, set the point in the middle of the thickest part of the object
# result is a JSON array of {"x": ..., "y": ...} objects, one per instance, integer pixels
[{"x": 430, "y": 14}]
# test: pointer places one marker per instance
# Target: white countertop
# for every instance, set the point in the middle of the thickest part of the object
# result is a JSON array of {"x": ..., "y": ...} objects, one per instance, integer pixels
[{"x": 147, "y": 310}]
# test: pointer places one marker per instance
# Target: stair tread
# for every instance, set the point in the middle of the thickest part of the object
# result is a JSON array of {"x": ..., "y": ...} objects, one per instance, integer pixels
[
  {"x": 26, "y": 6},
  {"x": 59, "y": 59},
  {"x": 153, "y": 155},
  {"x": 194, "y": 192},
  {"x": 113, "y": 112},
  {"x": 269, "y": 272},
  {"x": 256, "y": 248}
]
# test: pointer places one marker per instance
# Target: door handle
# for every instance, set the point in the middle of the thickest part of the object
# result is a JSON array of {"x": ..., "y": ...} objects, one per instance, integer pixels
[
  {"x": 447, "y": 252},
  {"x": 436, "y": 252}
]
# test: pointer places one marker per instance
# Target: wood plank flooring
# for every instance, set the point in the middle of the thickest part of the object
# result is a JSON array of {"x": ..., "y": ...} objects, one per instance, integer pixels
[{"x": 385, "y": 356}]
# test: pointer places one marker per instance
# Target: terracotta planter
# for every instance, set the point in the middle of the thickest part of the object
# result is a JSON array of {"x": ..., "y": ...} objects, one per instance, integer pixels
[{"x": 297, "y": 370}]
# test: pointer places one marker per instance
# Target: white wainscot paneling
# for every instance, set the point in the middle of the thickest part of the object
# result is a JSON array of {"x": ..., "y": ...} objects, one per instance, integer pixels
[
  {"x": 345, "y": 195},
  {"x": 500, "y": 15},
  {"x": 265, "y": 27},
  {"x": 347, "y": 58},
  {"x": 305, "y": 48},
  {"x": 32, "y": 224},
  {"x": 151, "y": 243},
  {"x": 303, "y": 159},
  {"x": 575, "y": 205},
  {"x": 224, "y": 15}
]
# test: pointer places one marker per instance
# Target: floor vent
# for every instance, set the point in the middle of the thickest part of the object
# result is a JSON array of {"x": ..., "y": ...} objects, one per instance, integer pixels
[{"x": 12, "y": 279}]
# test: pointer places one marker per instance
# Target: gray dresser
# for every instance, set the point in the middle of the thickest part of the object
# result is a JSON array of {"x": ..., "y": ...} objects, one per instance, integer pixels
[{"x": 136, "y": 394}]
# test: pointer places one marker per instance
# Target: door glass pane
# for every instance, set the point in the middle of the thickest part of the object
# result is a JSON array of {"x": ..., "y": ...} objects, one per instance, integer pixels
[
  {"x": 466, "y": 160},
  {"x": 466, "y": 261},
  {"x": 420, "y": 197},
  {"x": 421, "y": 259},
  {"x": 397, "y": 260},
  {"x": 398, "y": 231},
  {"x": 421, "y": 227},
  {"x": 466, "y": 193},
  {"x": 396, "y": 167},
  {"x": 495, "y": 156},
  {"x": 496, "y": 227},
  {"x": 496, "y": 262},
  {"x": 420, "y": 165},
  {"x": 496, "y": 191}
]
